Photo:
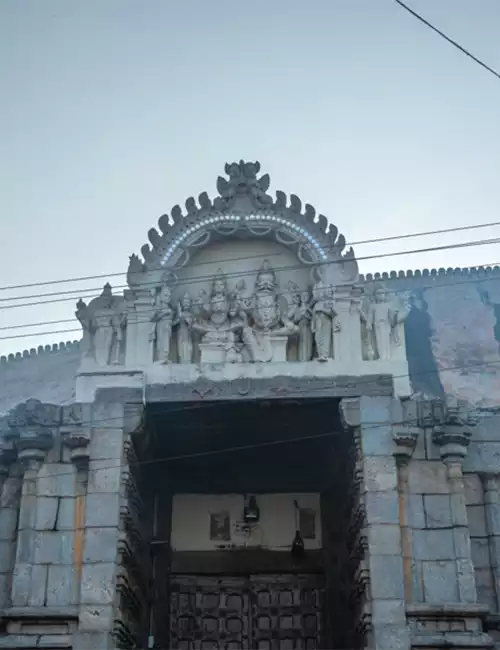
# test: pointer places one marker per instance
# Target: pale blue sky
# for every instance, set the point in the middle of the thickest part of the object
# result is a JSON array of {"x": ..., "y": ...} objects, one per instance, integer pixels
[{"x": 112, "y": 111}]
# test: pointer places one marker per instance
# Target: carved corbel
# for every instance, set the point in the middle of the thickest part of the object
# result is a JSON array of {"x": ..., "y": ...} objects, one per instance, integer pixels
[
  {"x": 32, "y": 428},
  {"x": 350, "y": 415},
  {"x": 405, "y": 429},
  {"x": 454, "y": 432},
  {"x": 75, "y": 433}
]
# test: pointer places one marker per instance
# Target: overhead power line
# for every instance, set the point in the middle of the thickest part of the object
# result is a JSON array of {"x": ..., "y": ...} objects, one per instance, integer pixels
[
  {"x": 363, "y": 242},
  {"x": 447, "y": 38},
  {"x": 62, "y": 321},
  {"x": 77, "y": 293}
]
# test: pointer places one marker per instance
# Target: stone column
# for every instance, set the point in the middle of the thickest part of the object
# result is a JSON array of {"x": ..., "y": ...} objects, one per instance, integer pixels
[
  {"x": 10, "y": 493},
  {"x": 405, "y": 432},
  {"x": 492, "y": 508},
  {"x": 371, "y": 417},
  {"x": 75, "y": 434},
  {"x": 452, "y": 436},
  {"x": 32, "y": 427}
]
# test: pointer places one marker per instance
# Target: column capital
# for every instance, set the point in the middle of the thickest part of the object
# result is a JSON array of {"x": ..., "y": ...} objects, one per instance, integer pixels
[
  {"x": 75, "y": 431},
  {"x": 453, "y": 432},
  {"x": 32, "y": 426},
  {"x": 405, "y": 429}
]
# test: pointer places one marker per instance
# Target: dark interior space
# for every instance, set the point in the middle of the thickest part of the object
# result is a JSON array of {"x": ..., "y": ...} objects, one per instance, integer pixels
[{"x": 252, "y": 447}]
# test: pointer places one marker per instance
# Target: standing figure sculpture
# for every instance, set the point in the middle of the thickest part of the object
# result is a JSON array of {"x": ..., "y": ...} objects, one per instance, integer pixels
[
  {"x": 161, "y": 324},
  {"x": 184, "y": 323},
  {"x": 322, "y": 319},
  {"x": 300, "y": 314},
  {"x": 383, "y": 316}
]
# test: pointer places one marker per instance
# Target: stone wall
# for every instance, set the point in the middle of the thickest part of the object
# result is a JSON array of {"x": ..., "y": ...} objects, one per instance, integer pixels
[{"x": 47, "y": 374}]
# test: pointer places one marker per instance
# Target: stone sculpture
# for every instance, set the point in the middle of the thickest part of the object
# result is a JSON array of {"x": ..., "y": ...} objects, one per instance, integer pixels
[
  {"x": 383, "y": 315},
  {"x": 323, "y": 314},
  {"x": 103, "y": 322},
  {"x": 184, "y": 323},
  {"x": 301, "y": 314},
  {"x": 161, "y": 324}
]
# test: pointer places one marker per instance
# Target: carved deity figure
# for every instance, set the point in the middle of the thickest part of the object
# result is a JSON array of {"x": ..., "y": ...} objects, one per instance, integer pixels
[
  {"x": 184, "y": 322},
  {"x": 300, "y": 313},
  {"x": 383, "y": 315},
  {"x": 268, "y": 319},
  {"x": 161, "y": 324},
  {"x": 103, "y": 322},
  {"x": 323, "y": 314}
]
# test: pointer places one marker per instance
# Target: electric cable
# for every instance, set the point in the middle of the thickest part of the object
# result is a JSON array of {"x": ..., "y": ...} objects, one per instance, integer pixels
[
  {"x": 200, "y": 406},
  {"x": 235, "y": 274},
  {"x": 447, "y": 38},
  {"x": 222, "y": 261},
  {"x": 283, "y": 293}
]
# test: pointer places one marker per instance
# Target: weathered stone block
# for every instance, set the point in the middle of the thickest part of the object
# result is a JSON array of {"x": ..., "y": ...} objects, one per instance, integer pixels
[
  {"x": 437, "y": 510},
  {"x": 389, "y": 612},
  {"x": 8, "y": 523},
  {"x": 102, "y": 510},
  {"x": 62, "y": 587},
  {"x": 106, "y": 444},
  {"x": 100, "y": 545},
  {"x": 53, "y": 547},
  {"x": 15, "y": 641},
  {"x": 56, "y": 480},
  {"x": 7, "y": 553},
  {"x": 55, "y": 641},
  {"x": 477, "y": 521},
  {"x": 380, "y": 473},
  {"x": 96, "y": 617},
  {"x": 98, "y": 580},
  {"x": 5, "y": 585},
  {"x": 83, "y": 640},
  {"x": 440, "y": 582},
  {"x": 66, "y": 514},
  {"x": 38, "y": 591},
  {"x": 27, "y": 512},
  {"x": 480, "y": 552},
  {"x": 473, "y": 488},
  {"x": 46, "y": 513},
  {"x": 103, "y": 478},
  {"x": 462, "y": 543},
  {"x": 382, "y": 507},
  {"x": 21, "y": 584},
  {"x": 415, "y": 510},
  {"x": 427, "y": 477},
  {"x": 384, "y": 539},
  {"x": 433, "y": 545},
  {"x": 417, "y": 586},
  {"x": 26, "y": 540},
  {"x": 386, "y": 577}
]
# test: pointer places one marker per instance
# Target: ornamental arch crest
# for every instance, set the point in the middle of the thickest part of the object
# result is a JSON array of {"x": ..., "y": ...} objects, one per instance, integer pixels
[{"x": 300, "y": 303}]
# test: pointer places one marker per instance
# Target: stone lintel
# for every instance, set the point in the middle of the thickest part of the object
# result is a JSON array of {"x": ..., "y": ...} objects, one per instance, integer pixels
[
  {"x": 273, "y": 388},
  {"x": 45, "y": 613}
]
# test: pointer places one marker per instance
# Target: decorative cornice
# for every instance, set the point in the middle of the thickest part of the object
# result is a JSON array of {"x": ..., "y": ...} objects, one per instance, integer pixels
[{"x": 453, "y": 434}]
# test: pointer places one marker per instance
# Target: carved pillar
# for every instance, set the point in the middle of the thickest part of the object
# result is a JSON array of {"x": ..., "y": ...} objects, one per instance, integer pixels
[
  {"x": 452, "y": 436},
  {"x": 383, "y": 567},
  {"x": 75, "y": 434},
  {"x": 405, "y": 433},
  {"x": 492, "y": 508},
  {"x": 32, "y": 427}
]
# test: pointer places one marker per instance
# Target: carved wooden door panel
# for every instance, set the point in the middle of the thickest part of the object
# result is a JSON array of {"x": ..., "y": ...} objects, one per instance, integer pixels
[
  {"x": 209, "y": 613},
  {"x": 286, "y": 612}
]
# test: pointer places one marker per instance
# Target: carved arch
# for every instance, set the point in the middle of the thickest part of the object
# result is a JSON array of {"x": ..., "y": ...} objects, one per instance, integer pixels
[{"x": 243, "y": 209}]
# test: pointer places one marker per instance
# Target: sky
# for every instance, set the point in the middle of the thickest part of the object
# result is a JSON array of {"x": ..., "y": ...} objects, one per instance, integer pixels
[{"x": 113, "y": 111}]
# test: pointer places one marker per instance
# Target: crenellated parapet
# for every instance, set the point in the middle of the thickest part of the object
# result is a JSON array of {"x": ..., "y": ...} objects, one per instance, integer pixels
[{"x": 41, "y": 351}]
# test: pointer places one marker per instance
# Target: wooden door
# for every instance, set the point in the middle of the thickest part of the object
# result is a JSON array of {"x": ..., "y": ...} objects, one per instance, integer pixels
[
  {"x": 209, "y": 613},
  {"x": 265, "y": 612},
  {"x": 286, "y": 612}
]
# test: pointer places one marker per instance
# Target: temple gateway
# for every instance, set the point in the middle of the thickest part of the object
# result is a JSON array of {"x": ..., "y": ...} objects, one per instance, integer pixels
[{"x": 255, "y": 446}]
